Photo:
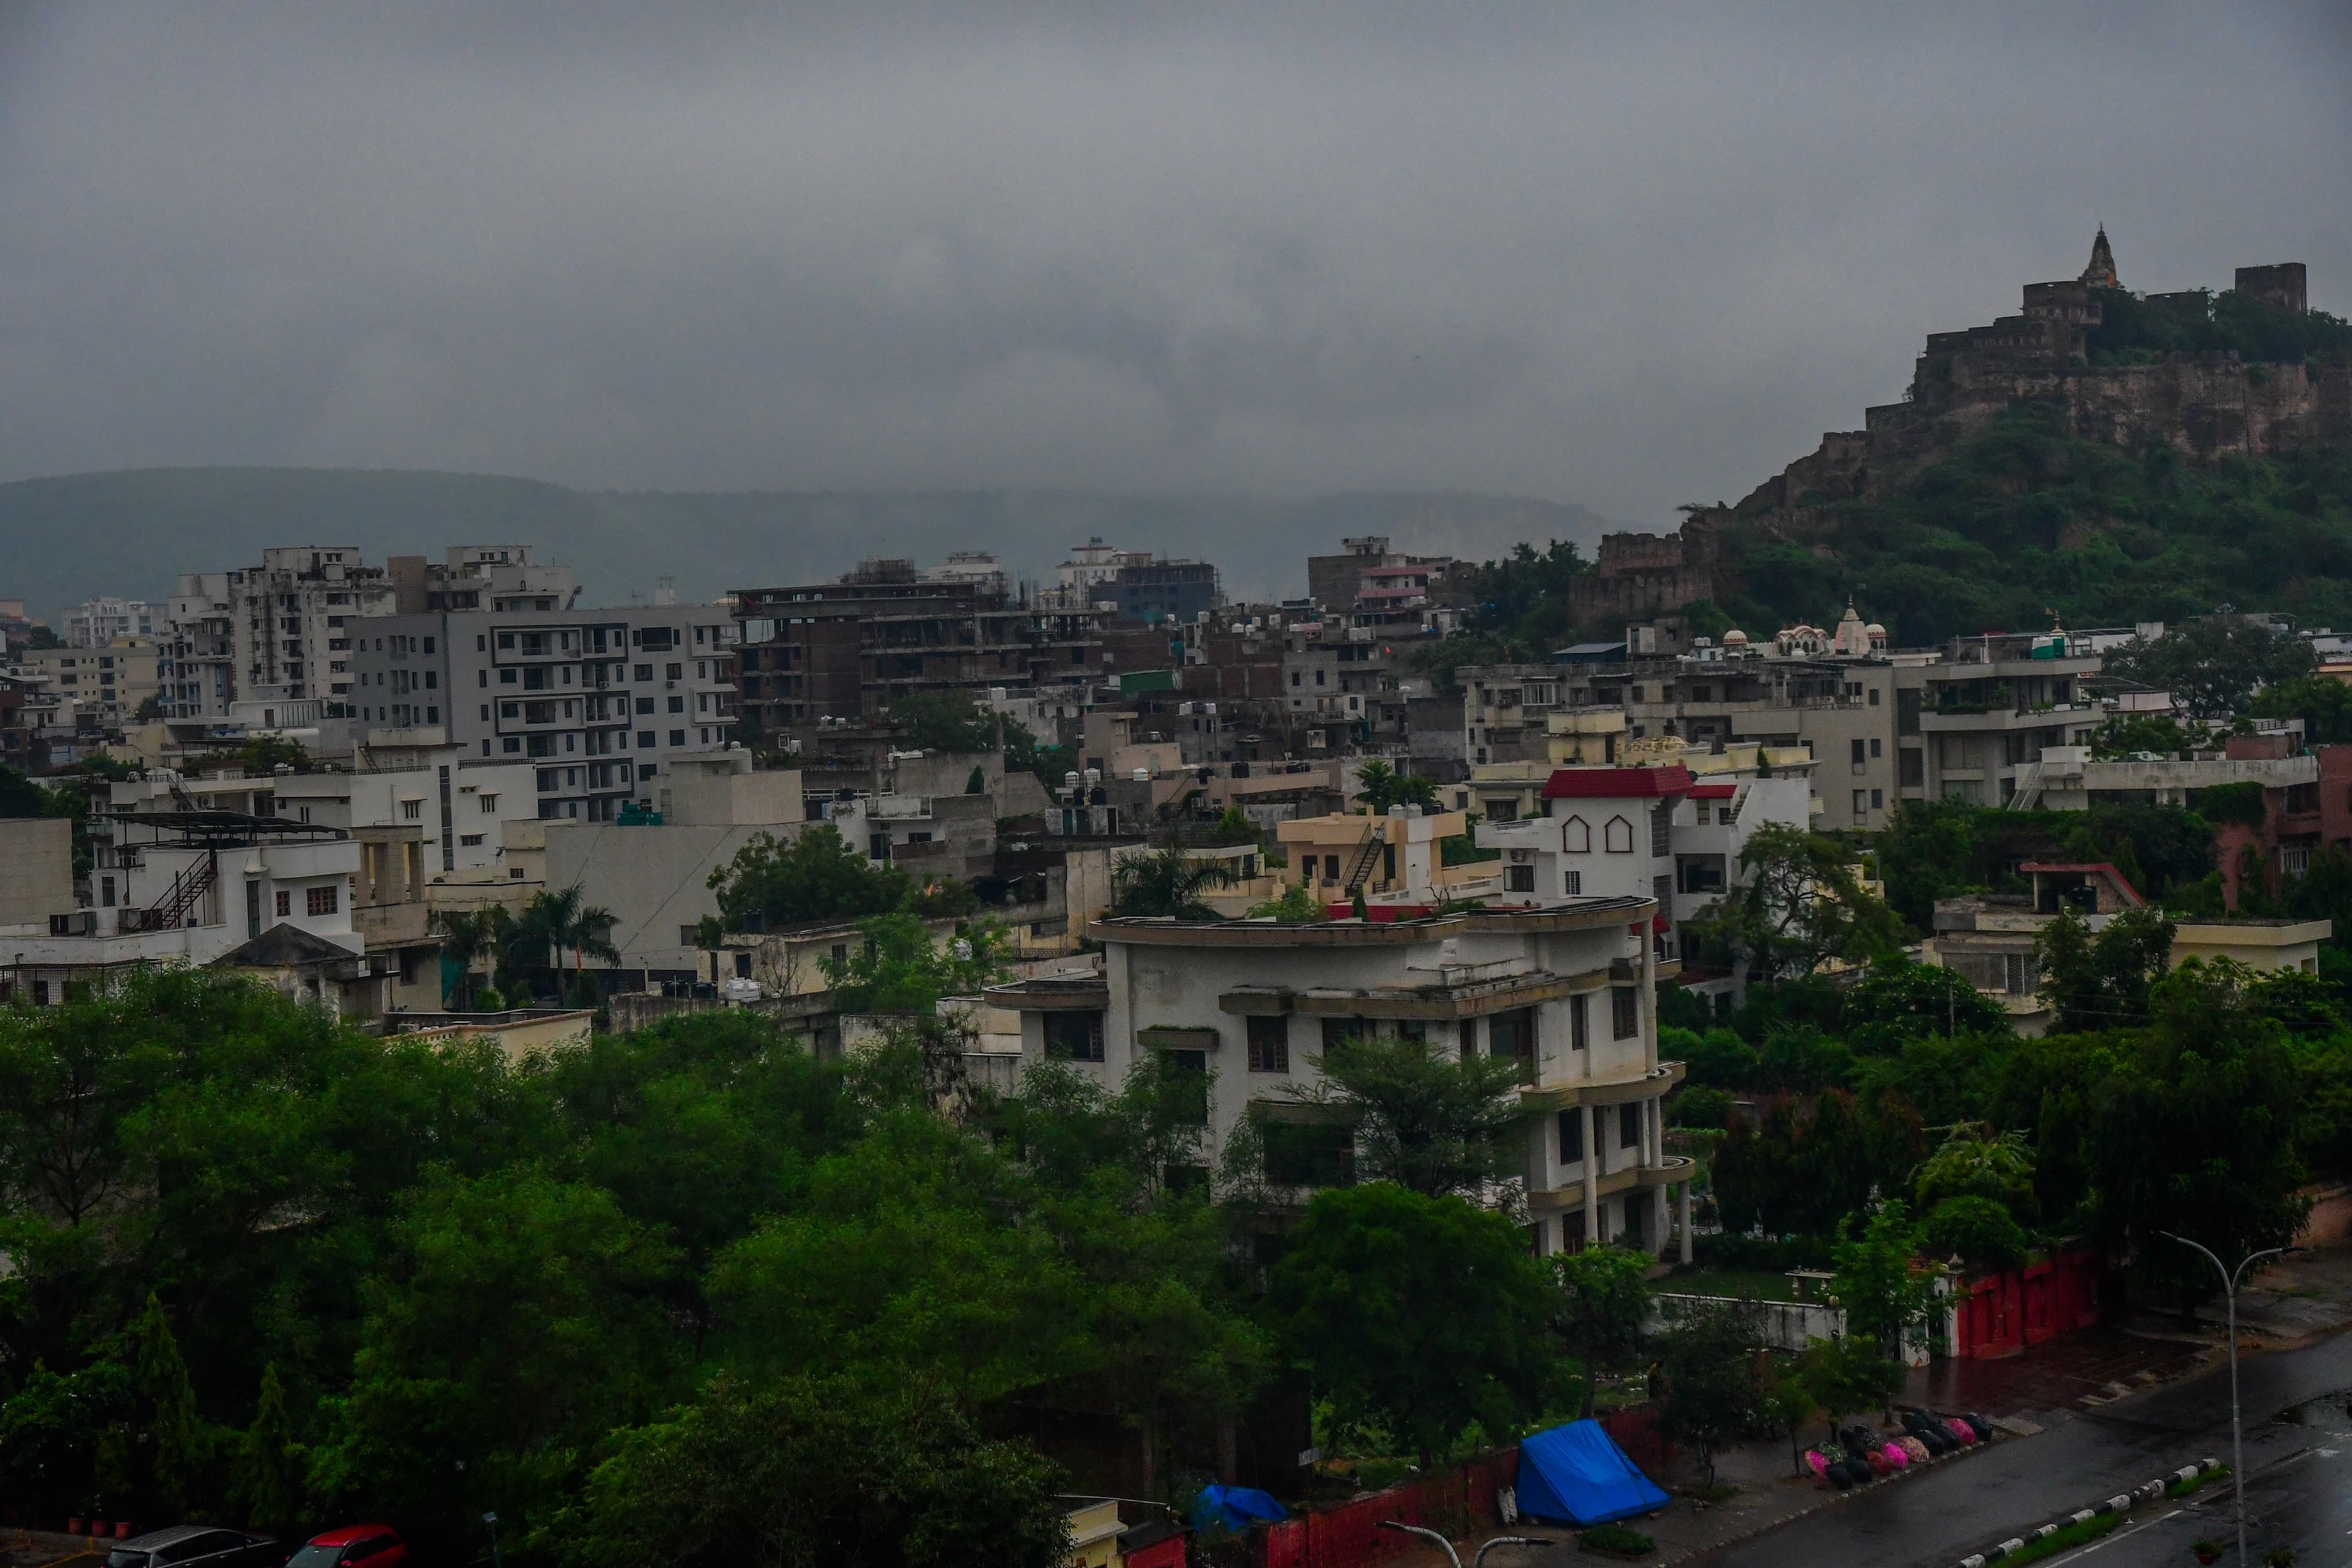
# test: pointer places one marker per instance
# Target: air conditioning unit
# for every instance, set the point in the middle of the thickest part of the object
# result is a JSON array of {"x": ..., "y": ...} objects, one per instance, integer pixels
[{"x": 1522, "y": 857}]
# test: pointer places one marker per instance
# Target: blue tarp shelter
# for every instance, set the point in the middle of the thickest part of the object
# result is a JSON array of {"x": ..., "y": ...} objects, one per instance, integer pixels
[
  {"x": 1578, "y": 1475},
  {"x": 1235, "y": 1507}
]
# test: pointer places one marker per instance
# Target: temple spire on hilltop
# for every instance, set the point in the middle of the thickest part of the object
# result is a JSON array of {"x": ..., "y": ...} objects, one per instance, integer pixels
[{"x": 2101, "y": 272}]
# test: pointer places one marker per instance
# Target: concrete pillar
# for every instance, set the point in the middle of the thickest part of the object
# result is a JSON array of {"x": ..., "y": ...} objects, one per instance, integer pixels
[
  {"x": 1591, "y": 1177},
  {"x": 1658, "y": 1219},
  {"x": 1686, "y": 1221}
]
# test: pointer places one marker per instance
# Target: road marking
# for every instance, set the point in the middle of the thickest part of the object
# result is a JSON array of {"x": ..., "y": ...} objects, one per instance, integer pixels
[{"x": 2113, "y": 1535}]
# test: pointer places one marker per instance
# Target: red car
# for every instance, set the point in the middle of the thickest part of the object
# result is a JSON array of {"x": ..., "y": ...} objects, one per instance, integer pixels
[{"x": 353, "y": 1546}]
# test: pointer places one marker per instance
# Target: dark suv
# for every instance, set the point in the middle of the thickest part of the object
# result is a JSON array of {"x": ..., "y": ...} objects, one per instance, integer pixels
[{"x": 196, "y": 1546}]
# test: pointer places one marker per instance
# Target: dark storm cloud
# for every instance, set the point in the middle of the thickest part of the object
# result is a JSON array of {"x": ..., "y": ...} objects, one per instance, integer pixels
[{"x": 1625, "y": 258}]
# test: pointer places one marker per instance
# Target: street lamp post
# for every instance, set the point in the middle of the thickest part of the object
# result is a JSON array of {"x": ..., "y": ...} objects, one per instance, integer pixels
[
  {"x": 2237, "y": 1438},
  {"x": 1454, "y": 1557}
]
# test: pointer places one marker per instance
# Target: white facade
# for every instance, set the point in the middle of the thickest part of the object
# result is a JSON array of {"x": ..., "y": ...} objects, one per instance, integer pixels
[
  {"x": 94, "y": 623},
  {"x": 1653, "y": 831},
  {"x": 1566, "y": 990},
  {"x": 458, "y": 806},
  {"x": 177, "y": 890}
]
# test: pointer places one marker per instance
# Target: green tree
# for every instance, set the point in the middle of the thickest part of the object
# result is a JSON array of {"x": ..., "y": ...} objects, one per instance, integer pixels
[
  {"x": 813, "y": 875},
  {"x": 270, "y": 1462},
  {"x": 1297, "y": 906},
  {"x": 1168, "y": 881},
  {"x": 1425, "y": 1314},
  {"x": 557, "y": 923},
  {"x": 1427, "y": 1119},
  {"x": 1604, "y": 1308},
  {"x": 184, "y": 1441},
  {"x": 1711, "y": 1395},
  {"x": 1876, "y": 1278},
  {"x": 263, "y": 755},
  {"x": 523, "y": 1317},
  {"x": 942, "y": 722},
  {"x": 469, "y": 936},
  {"x": 2194, "y": 1133},
  {"x": 1897, "y": 1000},
  {"x": 1381, "y": 787},
  {"x": 1844, "y": 1376},
  {"x": 899, "y": 968},
  {"x": 1979, "y": 1231},
  {"x": 1977, "y": 1160},
  {"x": 782, "y": 1473},
  {"x": 2323, "y": 702},
  {"x": 2127, "y": 734},
  {"x": 20, "y": 796},
  {"x": 1799, "y": 904},
  {"x": 2213, "y": 666},
  {"x": 2101, "y": 979}
]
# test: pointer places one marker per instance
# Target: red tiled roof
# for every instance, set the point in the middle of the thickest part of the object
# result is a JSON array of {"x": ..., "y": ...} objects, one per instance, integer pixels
[
  {"x": 1713, "y": 792},
  {"x": 1616, "y": 784}
]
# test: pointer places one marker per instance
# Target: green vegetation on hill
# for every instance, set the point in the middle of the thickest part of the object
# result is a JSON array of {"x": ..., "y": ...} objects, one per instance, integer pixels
[
  {"x": 2139, "y": 330},
  {"x": 2028, "y": 521}
]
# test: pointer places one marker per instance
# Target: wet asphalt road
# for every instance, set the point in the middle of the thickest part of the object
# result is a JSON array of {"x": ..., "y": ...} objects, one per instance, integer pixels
[{"x": 2298, "y": 1459}]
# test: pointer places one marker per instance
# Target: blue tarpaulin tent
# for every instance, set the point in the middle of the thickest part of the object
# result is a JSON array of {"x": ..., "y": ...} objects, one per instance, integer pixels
[
  {"x": 1577, "y": 1474},
  {"x": 1235, "y": 1507}
]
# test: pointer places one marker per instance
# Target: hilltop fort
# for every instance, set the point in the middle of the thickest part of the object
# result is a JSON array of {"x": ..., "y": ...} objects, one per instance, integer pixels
[{"x": 2208, "y": 377}]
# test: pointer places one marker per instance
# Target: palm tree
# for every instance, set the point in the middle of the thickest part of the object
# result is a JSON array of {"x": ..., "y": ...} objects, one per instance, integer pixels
[
  {"x": 469, "y": 936},
  {"x": 553, "y": 922},
  {"x": 1166, "y": 882}
]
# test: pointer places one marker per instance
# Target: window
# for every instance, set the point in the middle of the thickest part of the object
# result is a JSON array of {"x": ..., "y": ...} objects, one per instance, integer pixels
[
  {"x": 1518, "y": 878},
  {"x": 1873, "y": 703},
  {"x": 1860, "y": 751},
  {"x": 1579, "y": 1022},
  {"x": 1877, "y": 747},
  {"x": 285, "y": 903},
  {"x": 1618, "y": 835},
  {"x": 1513, "y": 1036},
  {"x": 1187, "y": 1076},
  {"x": 411, "y": 810},
  {"x": 1308, "y": 1153},
  {"x": 673, "y": 672},
  {"x": 678, "y": 737},
  {"x": 1269, "y": 1043},
  {"x": 1624, "y": 1012},
  {"x": 645, "y": 740},
  {"x": 1662, "y": 826},
  {"x": 678, "y": 704},
  {"x": 1862, "y": 803},
  {"x": 1572, "y": 884},
  {"x": 1572, "y": 1136},
  {"x": 1629, "y": 1125},
  {"x": 1576, "y": 836},
  {"x": 322, "y": 900},
  {"x": 470, "y": 840},
  {"x": 1337, "y": 1029},
  {"x": 1877, "y": 799},
  {"x": 1069, "y": 1036},
  {"x": 644, "y": 672},
  {"x": 488, "y": 801}
]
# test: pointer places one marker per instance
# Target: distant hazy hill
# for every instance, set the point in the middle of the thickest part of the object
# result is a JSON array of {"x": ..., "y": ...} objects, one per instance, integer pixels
[{"x": 63, "y": 539}]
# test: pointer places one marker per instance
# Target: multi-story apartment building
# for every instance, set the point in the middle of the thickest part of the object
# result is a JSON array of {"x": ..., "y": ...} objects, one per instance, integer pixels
[
  {"x": 94, "y": 623},
  {"x": 1967, "y": 721},
  {"x": 106, "y": 684},
  {"x": 846, "y": 649},
  {"x": 596, "y": 701},
  {"x": 1246, "y": 1009},
  {"x": 285, "y": 628}
]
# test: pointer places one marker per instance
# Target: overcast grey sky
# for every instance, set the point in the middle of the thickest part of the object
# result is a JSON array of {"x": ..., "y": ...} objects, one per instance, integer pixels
[{"x": 1622, "y": 255}]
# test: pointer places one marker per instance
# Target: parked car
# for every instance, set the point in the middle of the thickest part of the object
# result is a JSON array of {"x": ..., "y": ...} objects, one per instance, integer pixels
[
  {"x": 196, "y": 1546},
  {"x": 353, "y": 1546}
]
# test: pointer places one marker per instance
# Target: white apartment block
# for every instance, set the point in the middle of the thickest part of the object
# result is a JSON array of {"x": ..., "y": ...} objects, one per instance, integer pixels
[
  {"x": 1565, "y": 989},
  {"x": 288, "y": 628},
  {"x": 597, "y": 701},
  {"x": 94, "y": 623},
  {"x": 1649, "y": 832}
]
